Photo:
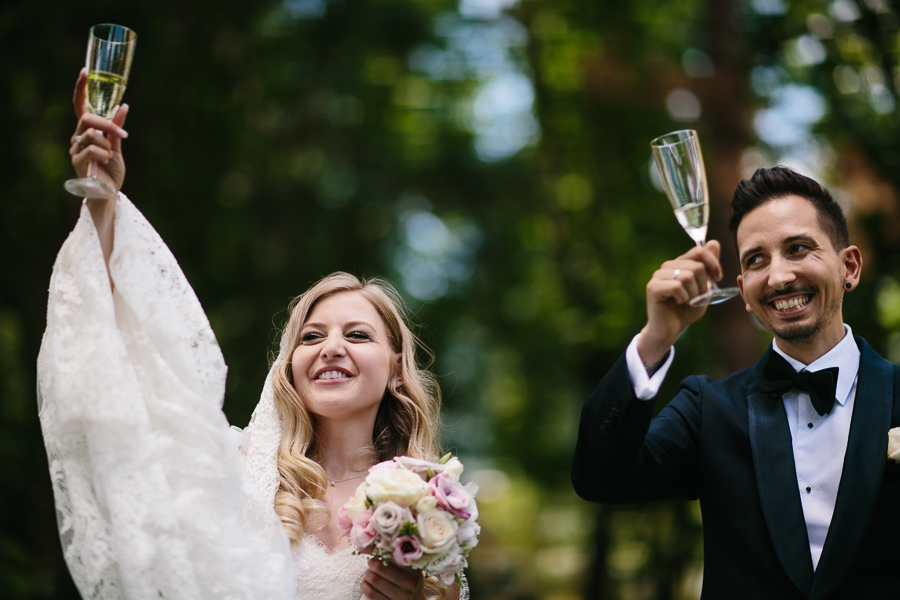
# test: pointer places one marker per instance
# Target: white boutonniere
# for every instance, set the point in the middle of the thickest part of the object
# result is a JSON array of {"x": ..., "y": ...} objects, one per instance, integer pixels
[{"x": 894, "y": 444}]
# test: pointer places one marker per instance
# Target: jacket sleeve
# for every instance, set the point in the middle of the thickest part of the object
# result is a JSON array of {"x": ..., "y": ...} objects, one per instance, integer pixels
[{"x": 625, "y": 454}]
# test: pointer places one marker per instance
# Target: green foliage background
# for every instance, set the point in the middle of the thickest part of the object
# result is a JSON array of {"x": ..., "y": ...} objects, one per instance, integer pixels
[{"x": 489, "y": 157}]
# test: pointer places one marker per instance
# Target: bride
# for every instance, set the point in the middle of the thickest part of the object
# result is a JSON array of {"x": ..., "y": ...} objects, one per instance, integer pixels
[{"x": 156, "y": 495}]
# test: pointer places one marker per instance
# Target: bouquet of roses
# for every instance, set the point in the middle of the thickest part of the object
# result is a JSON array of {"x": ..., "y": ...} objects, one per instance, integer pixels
[{"x": 415, "y": 513}]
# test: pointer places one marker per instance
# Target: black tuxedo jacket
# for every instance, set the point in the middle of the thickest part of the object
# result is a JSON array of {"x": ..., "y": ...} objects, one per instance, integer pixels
[{"x": 728, "y": 444}]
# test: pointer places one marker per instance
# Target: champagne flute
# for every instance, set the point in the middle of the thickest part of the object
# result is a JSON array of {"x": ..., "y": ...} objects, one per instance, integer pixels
[
  {"x": 109, "y": 53},
  {"x": 680, "y": 165}
]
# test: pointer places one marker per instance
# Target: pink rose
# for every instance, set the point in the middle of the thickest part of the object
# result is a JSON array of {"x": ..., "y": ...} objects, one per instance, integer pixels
[
  {"x": 362, "y": 532},
  {"x": 422, "y": 468},
  {"x": 451, "y": 496},
  {"x": 344, "y": 521},
  {"x": 389, "y": 517}
]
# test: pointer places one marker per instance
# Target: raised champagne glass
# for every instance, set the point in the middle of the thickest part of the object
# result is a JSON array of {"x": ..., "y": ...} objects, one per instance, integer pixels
[
  {"x": 680, "y": 165},
  {"x": 109, "y": 54}
]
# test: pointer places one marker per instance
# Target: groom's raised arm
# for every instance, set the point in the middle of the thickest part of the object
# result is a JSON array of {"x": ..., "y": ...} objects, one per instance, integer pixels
[{"x": 613, "y": 461}]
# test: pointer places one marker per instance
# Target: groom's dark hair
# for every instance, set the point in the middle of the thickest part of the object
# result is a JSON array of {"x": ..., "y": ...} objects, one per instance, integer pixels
[{"x": 778, "y": 182}]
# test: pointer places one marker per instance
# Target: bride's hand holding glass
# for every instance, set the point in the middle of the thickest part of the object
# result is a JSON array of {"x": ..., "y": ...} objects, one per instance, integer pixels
[{"x": 98, "y": 140}]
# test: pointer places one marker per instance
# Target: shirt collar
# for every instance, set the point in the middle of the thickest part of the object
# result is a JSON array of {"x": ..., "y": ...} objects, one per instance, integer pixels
[{"x": 844, "y": 355}]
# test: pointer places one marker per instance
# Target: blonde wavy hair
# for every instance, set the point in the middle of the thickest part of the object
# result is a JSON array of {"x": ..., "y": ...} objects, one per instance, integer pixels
[{"x": 408, "y": 417}]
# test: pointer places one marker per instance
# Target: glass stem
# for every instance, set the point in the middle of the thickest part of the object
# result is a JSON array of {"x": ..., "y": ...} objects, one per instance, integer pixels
[{"x": 710, "y": 285}]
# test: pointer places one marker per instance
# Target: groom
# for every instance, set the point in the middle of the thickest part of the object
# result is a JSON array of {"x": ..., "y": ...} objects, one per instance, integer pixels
[{"x": 799, "y": 499}]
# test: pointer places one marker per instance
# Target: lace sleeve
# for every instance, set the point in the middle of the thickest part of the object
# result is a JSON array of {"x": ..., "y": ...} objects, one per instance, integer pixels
[
  {"x": 464, "y": 588},
  {"x": 145, "y": 472}
]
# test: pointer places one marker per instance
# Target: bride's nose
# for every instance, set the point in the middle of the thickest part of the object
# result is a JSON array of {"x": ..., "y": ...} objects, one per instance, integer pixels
[{"x": 333, "y": 346}]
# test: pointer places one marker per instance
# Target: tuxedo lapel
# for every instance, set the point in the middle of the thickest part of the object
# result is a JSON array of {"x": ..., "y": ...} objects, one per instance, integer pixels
[
  {"x": 776, "y": 478},
  {"x": 863, "y": 469}
]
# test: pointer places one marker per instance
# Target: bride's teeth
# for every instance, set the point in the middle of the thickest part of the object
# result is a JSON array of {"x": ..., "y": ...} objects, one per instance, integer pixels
[{"x": 330, "y": 375}]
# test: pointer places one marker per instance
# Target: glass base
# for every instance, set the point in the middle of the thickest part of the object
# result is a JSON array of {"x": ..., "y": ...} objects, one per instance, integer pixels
[
  {"x": 714, "y": 295},
  {"x": 89, "y": 187}
]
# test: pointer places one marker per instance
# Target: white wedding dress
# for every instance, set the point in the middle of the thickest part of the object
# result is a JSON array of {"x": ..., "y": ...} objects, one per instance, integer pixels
[{"x": 156, "y": 496}]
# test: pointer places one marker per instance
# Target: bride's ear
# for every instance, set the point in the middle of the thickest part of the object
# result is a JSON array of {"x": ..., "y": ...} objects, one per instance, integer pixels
[{"x": 398, "y": 370}]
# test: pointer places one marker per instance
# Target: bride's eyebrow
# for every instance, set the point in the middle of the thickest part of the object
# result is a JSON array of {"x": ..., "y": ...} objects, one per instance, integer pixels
[
  {"x": 365, "y": 324},
  {"x": 347, "y": 325}
]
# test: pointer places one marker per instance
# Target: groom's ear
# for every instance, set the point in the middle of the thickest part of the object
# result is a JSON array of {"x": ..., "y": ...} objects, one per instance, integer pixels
[{"x": 740, "y": 284}]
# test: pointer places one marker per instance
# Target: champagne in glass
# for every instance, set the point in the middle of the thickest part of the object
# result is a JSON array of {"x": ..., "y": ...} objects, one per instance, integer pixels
[
  {"x": 104, "y": 93},
  {"x": 109, "y": 54},
  {"x": 680, "y": 165}
]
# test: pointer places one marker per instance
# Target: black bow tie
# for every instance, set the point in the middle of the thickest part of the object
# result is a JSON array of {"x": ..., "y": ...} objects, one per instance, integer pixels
[{"x": 779, "y": 377}]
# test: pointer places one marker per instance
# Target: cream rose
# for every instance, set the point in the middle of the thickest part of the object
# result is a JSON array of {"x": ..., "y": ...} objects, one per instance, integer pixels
[
  {"x": 426, "y": 504},
  {"x": 894, "y": 444},
  {"x": 356, "y": 504},
  {"x": 437, "y": 530},
  {"x": 395, "y": 485}
]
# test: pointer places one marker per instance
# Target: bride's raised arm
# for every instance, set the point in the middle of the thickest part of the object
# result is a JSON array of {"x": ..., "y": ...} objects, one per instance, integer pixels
[
  {"x": 146, "y": 475},
  {"x": 98, "y": 141}
]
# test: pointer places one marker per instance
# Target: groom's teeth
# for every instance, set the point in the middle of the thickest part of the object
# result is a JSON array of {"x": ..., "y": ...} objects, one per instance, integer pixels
[{"x": 791, "y": 304}]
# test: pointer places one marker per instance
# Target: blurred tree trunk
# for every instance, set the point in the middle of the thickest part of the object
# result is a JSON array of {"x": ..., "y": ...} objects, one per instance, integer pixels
[{"x": 728, "y": 115}]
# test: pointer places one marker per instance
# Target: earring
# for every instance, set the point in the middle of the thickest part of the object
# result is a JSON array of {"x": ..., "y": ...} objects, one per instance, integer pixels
[{"x": 848, "y": 285}]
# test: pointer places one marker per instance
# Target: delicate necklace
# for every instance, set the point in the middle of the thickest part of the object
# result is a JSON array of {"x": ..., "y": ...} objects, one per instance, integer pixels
[{"x": 334, "y": 482}]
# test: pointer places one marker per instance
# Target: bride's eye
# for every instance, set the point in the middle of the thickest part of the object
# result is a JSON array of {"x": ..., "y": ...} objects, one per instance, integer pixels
[
  {"x": 359, "y": 336},
  {"x": 310, "y": 337}
]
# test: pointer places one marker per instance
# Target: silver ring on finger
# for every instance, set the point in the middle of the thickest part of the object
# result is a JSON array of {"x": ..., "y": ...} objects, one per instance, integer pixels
[
  {"x": 79, "y": 142},
  {"x": 676, "y": 273}
]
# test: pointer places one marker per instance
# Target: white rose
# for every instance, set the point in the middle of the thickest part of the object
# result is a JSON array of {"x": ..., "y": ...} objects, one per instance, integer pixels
[
  {"x": 437, "y": 530},
  {"x": 395, "y": 485},
  {"x": 894, "y": 444},
  {"x": 472, "y": 489},
  {"x": 467, "y": 536},
  {"x": 446, "y": 567},
  {"x": 453, "y": 468}
]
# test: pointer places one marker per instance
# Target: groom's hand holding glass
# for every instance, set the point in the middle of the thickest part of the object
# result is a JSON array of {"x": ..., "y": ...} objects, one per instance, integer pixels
[{"x": 669, "y": 292}]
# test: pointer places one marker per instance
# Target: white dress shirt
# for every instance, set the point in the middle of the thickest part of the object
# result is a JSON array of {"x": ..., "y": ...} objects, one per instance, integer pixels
[{"x": 819, "y": 442}]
